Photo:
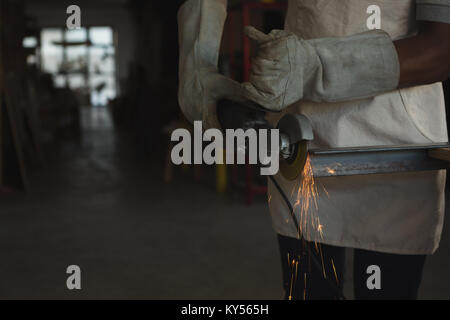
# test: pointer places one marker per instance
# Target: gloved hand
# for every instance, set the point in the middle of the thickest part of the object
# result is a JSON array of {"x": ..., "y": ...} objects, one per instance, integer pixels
[
  {"x": 200, "y": 85},
  {"x": 287, "y": 69}
]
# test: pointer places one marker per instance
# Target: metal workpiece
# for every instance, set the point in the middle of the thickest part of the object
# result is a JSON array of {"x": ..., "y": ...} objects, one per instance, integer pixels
[
  {"x": 375, "y": 160},
  {"x": 296, "y": 132}
]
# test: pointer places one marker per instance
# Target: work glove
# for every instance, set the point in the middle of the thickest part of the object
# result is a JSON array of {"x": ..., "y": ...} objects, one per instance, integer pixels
[
  {"x": 287, "y": 69},
  {"x": 200, "y": 24}
]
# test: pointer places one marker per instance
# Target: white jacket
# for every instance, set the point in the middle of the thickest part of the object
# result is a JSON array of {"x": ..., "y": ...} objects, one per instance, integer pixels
[{"x": 395, "y": 213}]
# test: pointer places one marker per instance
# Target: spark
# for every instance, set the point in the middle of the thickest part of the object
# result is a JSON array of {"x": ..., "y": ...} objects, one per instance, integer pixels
[
  {"x": 326, "y": 191},
  {"x": 306, "y": 203},
  {"x": 292, "y": 277},
  {"x": 323, "y": 264},
  {"x": 304, "y": 292},
  {"x": 334, "y": 269},
  {"x": 320, "y": 230}
]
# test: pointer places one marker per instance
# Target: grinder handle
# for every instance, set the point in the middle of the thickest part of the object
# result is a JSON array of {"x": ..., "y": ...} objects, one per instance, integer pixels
[{"x": 233, "y": 115}]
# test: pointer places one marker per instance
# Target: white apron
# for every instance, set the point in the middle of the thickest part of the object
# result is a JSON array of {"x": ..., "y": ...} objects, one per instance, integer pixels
[{"x": 394, "y": 213}]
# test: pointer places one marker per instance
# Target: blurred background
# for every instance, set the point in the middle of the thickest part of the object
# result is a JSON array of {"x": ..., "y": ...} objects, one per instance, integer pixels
[{"x": 85, "y": 178}]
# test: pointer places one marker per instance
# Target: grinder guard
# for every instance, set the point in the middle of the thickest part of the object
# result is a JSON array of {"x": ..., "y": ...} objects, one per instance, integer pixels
[{"x": 295, "y": 132}]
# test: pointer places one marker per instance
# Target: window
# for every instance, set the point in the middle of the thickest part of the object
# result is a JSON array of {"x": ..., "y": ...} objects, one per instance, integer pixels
[{"x": 81, "y": 59}]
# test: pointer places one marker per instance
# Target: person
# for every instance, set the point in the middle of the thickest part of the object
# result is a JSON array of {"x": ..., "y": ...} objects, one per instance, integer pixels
[{"x": 366, "y": 73}]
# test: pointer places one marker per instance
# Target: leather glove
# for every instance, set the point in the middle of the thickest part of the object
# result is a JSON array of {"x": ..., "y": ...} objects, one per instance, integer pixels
[{"x": 287, "y": 69}]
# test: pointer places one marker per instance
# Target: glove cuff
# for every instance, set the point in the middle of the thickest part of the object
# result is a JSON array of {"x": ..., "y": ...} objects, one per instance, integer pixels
[
  {"x": 200, "y": 26},
  {"x": 349, "y": 68}
]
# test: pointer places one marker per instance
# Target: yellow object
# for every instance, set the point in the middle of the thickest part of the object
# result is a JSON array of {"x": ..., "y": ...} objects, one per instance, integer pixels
[
  {"x": 291, "y": 169},
  {"x": 221, "y": 175}
]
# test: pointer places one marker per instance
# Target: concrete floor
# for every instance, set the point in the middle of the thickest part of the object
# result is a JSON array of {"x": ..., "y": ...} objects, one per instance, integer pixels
[{"x": 103, "y": 207}]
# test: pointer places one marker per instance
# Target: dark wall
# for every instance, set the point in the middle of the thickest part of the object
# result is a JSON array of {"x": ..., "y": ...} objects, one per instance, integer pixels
[
  {"x": 447, "y": 102},
  {"x": 156, "y": 64}
]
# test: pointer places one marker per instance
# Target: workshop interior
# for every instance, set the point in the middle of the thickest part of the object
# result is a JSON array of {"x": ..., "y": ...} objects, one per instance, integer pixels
[{"x": 87, "y": 177}]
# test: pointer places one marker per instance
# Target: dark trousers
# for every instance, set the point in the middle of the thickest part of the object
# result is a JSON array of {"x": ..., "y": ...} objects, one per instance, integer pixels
[{"x": 316, "y": 272}]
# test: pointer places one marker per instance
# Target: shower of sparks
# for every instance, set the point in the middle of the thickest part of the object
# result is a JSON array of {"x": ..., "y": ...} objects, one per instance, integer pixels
[
  {"x": 306, "y": 201},
  {"x": 305, "y": 204}
]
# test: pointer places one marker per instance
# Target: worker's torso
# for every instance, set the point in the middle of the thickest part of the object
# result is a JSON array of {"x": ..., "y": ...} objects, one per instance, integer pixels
[
  {"x": 333, "y": 18},
  {"x": 398, "y": 213},
  {"x": 415, "y": 115}
]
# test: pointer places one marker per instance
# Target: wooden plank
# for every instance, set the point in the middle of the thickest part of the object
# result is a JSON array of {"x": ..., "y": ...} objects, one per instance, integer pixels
[
  {"x": 1, "y": 136},
  {"x": 31, "y": 109},
  {"x": 10, "y": 110},
  {"x": 12, "y": 62},
  {"x": 1, "y": 92},
  {"x": 441, "y": 154},
  {"x": 25, "y": 118}
]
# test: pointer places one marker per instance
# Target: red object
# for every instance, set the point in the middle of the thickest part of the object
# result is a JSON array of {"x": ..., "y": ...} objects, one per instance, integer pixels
[
  {"x": 251, "y": 189},
  {"x": 6, "y": 190},
  {"x": 246, "y": 8}
]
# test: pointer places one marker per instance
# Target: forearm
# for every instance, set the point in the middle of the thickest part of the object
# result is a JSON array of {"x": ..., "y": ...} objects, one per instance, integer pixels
[
  {"x": 425, "y": 58},
  {"x": 201, "y": 24}
]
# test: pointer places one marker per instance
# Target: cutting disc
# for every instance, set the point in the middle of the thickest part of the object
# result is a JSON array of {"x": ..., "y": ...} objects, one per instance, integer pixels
[
  {"x": 292, "y": 167},
  {"x": 298, "y": 131}
]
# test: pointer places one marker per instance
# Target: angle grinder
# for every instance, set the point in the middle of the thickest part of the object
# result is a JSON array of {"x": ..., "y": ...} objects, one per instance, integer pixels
[{"x": 295, "y": 132}]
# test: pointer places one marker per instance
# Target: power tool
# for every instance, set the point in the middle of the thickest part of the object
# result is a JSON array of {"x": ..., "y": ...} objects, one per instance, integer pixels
[{"x": 295, "y": 132}]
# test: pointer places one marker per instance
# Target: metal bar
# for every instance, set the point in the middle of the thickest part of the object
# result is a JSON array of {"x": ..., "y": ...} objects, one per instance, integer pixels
[
  {"x": 380, "y": 148},
  {"x": 375, "y": 160}
]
